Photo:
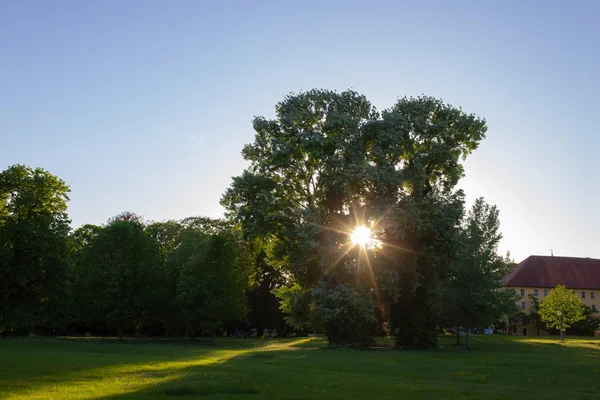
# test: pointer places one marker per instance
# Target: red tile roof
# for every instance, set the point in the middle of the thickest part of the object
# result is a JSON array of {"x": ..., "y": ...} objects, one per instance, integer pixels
[{"x": 548, "y": 272}]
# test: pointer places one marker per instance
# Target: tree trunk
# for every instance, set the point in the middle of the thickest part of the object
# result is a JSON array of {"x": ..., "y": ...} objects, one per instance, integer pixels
[
  {"x": 468, "y": 338},
  {"x": 458, "y": 335},
  {"x": 120, "y": 333},
  {"x": 212, "y": 339}
]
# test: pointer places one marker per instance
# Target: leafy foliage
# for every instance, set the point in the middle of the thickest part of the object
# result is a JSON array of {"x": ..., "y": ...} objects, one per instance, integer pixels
[
  {"x": 473, "y": 293},
  {"x": 589, "y": 324},
  {"x": 561, "y": 308},
  {"x": 210, "y": 289},
  {"x": 34, "y": 253},
  {"x": 297, "y": 304},
  {"x": 534, "y": 316},
  {"x": 329, "y": 162},
  {"x": 346, "y": 316},
  {"x": 120, "y": 279}
]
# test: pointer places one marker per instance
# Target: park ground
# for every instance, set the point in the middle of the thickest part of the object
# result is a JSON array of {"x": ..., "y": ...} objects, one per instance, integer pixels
[{"x": 497, "y": 368}]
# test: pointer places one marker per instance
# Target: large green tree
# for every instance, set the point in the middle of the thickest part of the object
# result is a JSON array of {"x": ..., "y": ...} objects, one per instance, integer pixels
[
  {"x": 34, "y": 254},
  {"x": 304, "y": 165},
  {"x": 415, "y": 151},
  {"x": 119, "y": 278},
  {"x": 297, "y": 194},
  {"x": 561, "y": 309},
  {"x": 329, "y": 162}
]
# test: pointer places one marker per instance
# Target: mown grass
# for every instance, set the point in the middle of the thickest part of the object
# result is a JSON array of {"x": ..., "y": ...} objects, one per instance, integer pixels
[{"x": 497, "y": 368}]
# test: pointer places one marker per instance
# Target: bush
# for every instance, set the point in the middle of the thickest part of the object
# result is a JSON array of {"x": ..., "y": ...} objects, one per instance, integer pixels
[
  {"x": 296, "y": 304},
  {"x": 346, "y": 317}
]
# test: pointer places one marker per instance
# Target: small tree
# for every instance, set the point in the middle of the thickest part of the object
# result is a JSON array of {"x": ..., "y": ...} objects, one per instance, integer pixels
[
  {"x": 473, "y": 291},
  {"x": 514, "y": 319},
  {"x": 534, "y": 316},
  {"x": 588, "y": 325},
  {"x": 297, "y": 304},
  {"x": 561, "y": 309}
]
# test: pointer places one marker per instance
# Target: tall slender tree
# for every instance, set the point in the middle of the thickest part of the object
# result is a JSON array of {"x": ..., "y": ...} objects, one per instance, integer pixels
[{"x": 473, "y": 292}]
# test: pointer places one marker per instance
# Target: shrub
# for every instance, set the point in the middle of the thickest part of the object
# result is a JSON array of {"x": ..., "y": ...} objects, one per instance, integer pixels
[{"x": 346, "y": 317}]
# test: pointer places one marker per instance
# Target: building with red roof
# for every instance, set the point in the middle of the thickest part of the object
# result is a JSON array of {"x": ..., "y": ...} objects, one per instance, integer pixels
[{"x": 537, "y": 275}]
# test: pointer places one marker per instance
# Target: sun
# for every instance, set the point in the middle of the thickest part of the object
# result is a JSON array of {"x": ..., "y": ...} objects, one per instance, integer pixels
[{"x": 361, "y": 236}]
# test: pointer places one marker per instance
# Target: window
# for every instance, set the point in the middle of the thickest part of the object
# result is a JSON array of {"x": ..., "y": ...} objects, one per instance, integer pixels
[
  {"x": 545, "y": 292},
  {"x": 522, "y": 305},
  {"x": 592, "y": 295},
  {"x": 536, "y": 293},
  {"x": 593, "y": 306},
  {"x": 512, "y": 291},
  {"x": 522, "y": 292},
  {"x": 583, "y": 295}
]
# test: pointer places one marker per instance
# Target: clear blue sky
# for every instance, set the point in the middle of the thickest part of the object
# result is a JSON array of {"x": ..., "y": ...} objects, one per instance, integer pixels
[{"x": 145, "y": 105}]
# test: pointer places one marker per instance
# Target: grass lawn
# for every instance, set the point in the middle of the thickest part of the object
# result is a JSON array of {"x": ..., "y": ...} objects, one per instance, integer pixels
[{"x": 497, "y": 368}]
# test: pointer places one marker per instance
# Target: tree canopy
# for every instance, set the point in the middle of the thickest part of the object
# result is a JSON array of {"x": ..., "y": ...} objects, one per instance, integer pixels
[
  {"x": 472, "y": 292},
  {"x": 210, "y": 290},
  {"x": 34, "y": 253},
  {"x": 120, "y": 279},
  {"x": 561, "y": 308},
  {"x": 329, "y": 162}
]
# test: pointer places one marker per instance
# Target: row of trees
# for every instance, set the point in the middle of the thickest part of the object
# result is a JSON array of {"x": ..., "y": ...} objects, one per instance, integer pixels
[
  {"x": 328, "y": 163},
  {"x": 125, "y": 275}
]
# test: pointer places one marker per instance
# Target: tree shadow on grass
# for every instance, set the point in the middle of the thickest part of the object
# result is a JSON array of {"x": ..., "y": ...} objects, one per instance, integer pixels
[
  {"x": 89, "y": 370},
  {"x": 84, "y": 365},
  {"x": 232, "y": 378}
]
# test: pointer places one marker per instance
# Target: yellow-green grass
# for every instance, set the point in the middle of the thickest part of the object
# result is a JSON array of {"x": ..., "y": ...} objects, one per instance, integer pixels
[{"x": 497, "y": 368}]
